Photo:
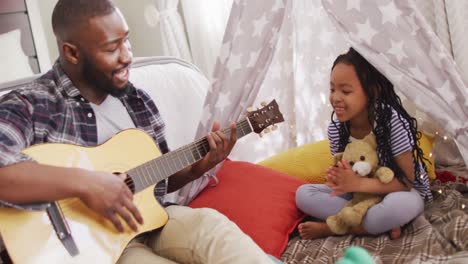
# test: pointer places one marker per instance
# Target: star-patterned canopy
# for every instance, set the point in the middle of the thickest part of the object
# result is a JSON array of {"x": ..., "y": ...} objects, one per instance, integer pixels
[{"x": 284, "y": 49}]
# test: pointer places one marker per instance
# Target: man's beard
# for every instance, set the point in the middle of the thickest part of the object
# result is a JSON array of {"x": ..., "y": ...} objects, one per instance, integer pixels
[{"x": 99, "y": 80}]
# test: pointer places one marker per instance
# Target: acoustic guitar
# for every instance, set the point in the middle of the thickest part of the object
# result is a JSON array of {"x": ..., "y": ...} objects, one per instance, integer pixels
[{"x": 67, "y": 231}]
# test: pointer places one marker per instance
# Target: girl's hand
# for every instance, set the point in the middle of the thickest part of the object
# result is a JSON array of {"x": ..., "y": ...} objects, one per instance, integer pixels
[{"x": 342, "y": 179}]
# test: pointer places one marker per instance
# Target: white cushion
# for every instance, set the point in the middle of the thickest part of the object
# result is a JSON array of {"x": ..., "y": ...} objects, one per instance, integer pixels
[
  {"x": 13, "y": 62},
  {"x": 178, "y": 90}
]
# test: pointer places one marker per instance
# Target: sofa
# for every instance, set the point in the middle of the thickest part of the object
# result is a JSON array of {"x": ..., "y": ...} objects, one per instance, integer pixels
[{"x": 177, "y": 87}]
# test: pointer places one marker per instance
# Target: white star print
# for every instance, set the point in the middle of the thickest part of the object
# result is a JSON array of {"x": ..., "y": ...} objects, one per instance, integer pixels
[
  {"x": 224, "y": 52},
  {"x": 207, "y": 114},
  {"x": 259, "y": 24},
  {"x": 390, "y": 13},
  {"x": 234, "y": 62},
  {"x": 447, "y": 92},
  {"x": 239, "y": 30},
  {"x": 397, "y": 50},
  {"x": 365, "y": 31},
  {"x": 223, "y": 102},
  {"x": 253, "y": 56},
  {"x": 275, "y": 71}
]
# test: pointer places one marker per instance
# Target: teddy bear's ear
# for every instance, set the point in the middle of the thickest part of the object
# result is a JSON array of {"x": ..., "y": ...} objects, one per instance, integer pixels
[
  {"x": 338, "y": 156},
  {"x": 371, "y": 140}
]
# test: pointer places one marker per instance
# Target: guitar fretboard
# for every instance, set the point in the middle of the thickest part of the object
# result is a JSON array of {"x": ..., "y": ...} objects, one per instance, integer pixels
[{"x": 158, "y": 169}]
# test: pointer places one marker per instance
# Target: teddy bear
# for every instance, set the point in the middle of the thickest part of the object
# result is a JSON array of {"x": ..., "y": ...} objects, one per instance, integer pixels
[{"x": 362, "y": 157}]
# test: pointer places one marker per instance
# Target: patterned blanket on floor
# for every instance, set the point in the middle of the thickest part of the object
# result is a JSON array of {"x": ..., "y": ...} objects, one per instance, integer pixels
[{"x": 440, "y": 235}]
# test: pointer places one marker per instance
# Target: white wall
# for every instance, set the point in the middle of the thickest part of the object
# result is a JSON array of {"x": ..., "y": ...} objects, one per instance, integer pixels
[{"x": 145, "y": 39}]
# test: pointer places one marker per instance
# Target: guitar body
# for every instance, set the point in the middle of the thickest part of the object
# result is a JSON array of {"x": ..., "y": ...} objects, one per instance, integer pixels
[{"x": 29, "y": 236}]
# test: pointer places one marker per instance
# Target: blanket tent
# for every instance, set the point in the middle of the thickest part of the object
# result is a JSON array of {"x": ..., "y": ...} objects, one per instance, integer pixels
[{"x": 284, "y": 49}]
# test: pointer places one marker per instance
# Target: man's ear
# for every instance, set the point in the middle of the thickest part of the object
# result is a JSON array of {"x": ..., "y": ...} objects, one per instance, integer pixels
[{"x": 70, "y": 52}]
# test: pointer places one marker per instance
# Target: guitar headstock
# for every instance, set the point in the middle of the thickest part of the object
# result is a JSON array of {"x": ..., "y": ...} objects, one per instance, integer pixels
[{"x": 264, "y": 117}]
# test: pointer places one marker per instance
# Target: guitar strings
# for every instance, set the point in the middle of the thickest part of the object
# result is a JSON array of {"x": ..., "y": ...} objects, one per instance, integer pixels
[
  {"x": 129, "y": 181},
  {"x": 187, "y": 150}
]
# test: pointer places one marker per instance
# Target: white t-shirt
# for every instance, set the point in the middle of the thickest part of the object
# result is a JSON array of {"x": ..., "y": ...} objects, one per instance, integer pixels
[{"x": 111, "y": 117}]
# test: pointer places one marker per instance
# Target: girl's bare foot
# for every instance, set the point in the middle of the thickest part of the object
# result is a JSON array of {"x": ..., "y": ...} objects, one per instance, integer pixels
[
  {"x": 395, "y": 233},
  {"x": 313, "y": 230}
]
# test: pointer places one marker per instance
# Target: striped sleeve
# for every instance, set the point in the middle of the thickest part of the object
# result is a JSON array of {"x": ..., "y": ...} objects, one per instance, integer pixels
[
  {"x": 333, "y": 137},
  {"x": 400, "y": 138}
]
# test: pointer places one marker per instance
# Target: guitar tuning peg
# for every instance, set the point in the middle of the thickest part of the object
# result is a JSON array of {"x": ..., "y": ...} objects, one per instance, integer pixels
[
  {"x": 274, "y": 127},
  {"x": 249, "y": 109},
  {"x": 260, "y": 135},
  {"x": 263, "y": 103},
  {"x": 267, "y": 130}
]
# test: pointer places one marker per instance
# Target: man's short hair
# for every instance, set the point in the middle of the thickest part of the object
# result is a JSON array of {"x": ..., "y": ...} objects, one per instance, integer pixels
[{"x": 68, "y": 14}]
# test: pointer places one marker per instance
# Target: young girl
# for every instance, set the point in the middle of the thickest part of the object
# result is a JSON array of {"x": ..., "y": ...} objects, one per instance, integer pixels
[{"x": 364, "y": 101}]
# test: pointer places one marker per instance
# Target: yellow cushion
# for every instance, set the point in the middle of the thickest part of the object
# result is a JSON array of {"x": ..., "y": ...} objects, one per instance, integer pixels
[
  {"x": 310, "y": 161},
  {"x": 426, "y": 143},
  {"x": 307, "y": 162}
]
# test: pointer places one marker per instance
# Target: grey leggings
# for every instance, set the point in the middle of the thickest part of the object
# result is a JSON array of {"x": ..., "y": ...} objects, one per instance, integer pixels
[{"x": 396, "y": 209}]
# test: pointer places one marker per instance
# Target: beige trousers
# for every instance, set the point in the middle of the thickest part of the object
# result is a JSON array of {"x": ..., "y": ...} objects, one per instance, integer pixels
[{"x": 195, "y": 236}]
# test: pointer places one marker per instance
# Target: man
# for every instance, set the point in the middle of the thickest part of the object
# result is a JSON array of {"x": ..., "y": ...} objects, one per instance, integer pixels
[{"x": 84, "y": 100}]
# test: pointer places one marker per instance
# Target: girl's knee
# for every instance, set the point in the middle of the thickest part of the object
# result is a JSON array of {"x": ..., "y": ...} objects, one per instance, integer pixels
[
  {"x": 303, "y": 195},
  {"x": 392, "y": 213}
]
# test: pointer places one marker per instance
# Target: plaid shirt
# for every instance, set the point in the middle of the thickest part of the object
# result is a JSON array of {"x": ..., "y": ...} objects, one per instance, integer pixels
[{"x": 52, "y": 110}]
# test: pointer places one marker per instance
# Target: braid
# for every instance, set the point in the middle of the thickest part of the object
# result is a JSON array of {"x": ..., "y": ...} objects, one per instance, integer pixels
[
  {"x": 343, "y": 130},
  {"x": 381, "y": 91}
]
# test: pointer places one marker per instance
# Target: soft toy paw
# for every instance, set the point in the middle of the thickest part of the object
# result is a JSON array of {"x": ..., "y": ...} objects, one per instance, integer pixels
[
  {"x": 384, "y": 174},
  {"x": 363, "y": 159},
  {"x": 351, "y": 216},
  {"x": 337, "y": 225}
]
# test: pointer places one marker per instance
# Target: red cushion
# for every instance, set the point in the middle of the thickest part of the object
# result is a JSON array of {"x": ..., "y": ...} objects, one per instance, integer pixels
[{"x": 259, "y": 200}]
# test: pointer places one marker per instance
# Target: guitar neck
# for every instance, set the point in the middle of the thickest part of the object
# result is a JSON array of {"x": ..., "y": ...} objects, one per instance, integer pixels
[{"x": 158, "y": 169}]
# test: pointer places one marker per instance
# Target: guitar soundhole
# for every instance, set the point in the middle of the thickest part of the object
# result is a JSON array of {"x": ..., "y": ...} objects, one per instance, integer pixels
[{"x": 128, "y": 181}]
